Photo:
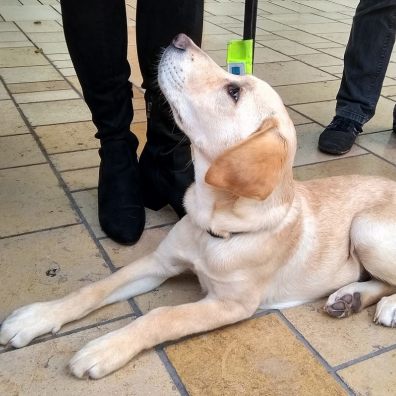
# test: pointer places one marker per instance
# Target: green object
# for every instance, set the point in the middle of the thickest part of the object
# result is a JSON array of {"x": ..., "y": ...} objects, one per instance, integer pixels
[{"x": 240, "y": 56}]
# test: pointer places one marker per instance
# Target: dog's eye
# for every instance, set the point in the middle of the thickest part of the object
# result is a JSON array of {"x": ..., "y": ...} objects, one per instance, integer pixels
[{"x": 233, "y": 91}]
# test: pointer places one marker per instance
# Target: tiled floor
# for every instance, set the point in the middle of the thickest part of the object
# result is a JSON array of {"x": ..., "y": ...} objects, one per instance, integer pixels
[{"x": 51, "y": 242}]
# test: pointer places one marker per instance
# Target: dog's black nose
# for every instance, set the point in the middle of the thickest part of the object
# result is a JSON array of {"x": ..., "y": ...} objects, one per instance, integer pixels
[{"x": 181, "y": 41}]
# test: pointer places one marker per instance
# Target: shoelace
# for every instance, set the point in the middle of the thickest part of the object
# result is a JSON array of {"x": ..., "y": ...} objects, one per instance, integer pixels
[{"x": 345, "y": 125}]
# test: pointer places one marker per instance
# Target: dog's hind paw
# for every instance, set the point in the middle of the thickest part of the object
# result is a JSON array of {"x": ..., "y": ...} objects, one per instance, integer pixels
[
  {"x": 27, "y": 323},
  {"x": 341, "y": 305},
  {"x": 385, "y": 313}
]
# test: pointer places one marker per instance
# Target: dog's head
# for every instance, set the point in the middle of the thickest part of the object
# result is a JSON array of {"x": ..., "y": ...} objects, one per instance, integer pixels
[{"x": 238, "y": 123}]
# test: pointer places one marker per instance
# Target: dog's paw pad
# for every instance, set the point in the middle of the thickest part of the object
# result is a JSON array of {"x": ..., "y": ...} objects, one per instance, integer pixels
[{"x": 344, "y": 306}]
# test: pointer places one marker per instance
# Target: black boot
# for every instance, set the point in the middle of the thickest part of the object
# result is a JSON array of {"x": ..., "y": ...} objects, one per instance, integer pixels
[
  {"x": 120, "y": 204},
  {"x": 165, "y": 163},
  {"x": 96, "y": 35}
]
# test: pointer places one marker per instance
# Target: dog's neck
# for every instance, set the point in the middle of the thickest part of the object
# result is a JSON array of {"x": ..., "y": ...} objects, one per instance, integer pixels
[{"x": 224, "y": 214}]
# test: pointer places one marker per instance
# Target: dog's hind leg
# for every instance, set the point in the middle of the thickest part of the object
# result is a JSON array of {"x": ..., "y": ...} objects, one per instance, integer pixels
[
  {"x": 356, "y": 296},
  {"x": 373, "y": 241}
]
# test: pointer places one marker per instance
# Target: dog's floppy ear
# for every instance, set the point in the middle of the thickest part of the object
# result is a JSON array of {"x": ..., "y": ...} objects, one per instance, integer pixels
[{"x": 252, "y": 168}]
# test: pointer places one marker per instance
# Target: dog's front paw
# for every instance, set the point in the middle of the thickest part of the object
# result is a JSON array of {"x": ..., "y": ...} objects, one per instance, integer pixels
[
  {"x": 385, "y": 313},
  {"x": 28, "y": 322},
  {"x": 102, "y": 356}
]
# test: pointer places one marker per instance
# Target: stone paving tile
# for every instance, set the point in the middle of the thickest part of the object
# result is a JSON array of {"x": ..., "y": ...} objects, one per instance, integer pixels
[
  {"x": 3, "y": 93},
  {"x": 11, "y": 121},
  {"x": 58, "y": 57},
  {"x": 318, "y": 60},
  {"x": 75, "y": 83},
  {"x": 264, "y": 55},
  {"x": 73, "y": 136},
  {"x": 257, "y": 357},
  {"x": 15, "y": 44},
  {"x": 301, "y": 37},
  {"x": 68, "y": 71},
  {"x": 336, "y": 27},
  {"x": 338, "y": 52},
  {"x": 45, "y": 96},
  {"x": 220, "y": 56},
  {"x": 123, "y": 255},
  {"x": 54, "y": 48},
  {"x": 375, "y": 376},
  {"x": 288, "y": 47},
  {"x": 382, "y": 144},
  {"x": 12, "y": 36},
  {"x": 210, "y": 28},
  {"x": 41, "y": 369},
  {"x": 81, "y": 179},
  {"x": 309, "y": 92},
  {"x": 323, "y": 113},
  {"x": 271, "y": 26},
  {"x": 285, "y": 73},
  {"x": 340, "y": 340},
  {"x": 217, "y": 41},
  {"x": 363, "y": 165},
  {"x": 327, "y": 44},
  {"x": 47, "y": 37},
  {"x": 298, "y": 18},
  {"x": 87, "y": 201},
  {"x": 8, "y": 27},
  {"x": 28, "y": 13},
  {"x": 38, "y": 86},
  {"x": 389, "y": 91},
  {"x": 19, "y": 150},
  {"x": 31, "y": 199},
  {"x": 76, "y": 160},
  {"x": 63, "y": 63},
  {"x": 43, "y": 27},
  {"x": 307, "y": 143},
  {"x": 58, "y": 112},
  {"x": 13, "y": 57},
  {"x": 229, "y": 9},
  {"x": 297, "y": 118},
  {"x": 50, "y": 264},
  {"x": 29, "y": 74},
  {"x": 337, "y": 70}
]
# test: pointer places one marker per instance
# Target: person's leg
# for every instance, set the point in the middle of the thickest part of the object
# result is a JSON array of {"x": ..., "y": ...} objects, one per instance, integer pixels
[
  {"x": 365, "y": 62},
  {"x": 96, "y": 35},
  {"x": 165, "y": 163}
]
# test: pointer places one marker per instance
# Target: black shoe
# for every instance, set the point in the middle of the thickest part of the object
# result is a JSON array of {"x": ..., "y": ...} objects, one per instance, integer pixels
[
  {"x": 166, "y": 167},
  {"x": 339, "y": 136},
  {"x": 394, "y": 120},
  {"x": 120, "y": 204}
]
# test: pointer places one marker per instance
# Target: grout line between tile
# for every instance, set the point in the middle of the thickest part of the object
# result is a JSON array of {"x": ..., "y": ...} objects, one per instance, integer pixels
[
  {"x": 376, "y": 155},
  {"x": 22, "y": 166},
  {"x": 171, "y": 371},
  {"x": 364, "y": 357},
  {"x": 316, "y": 354},
  {"x": 329, "y": 160},
  {"x": 40, "y": 230}
]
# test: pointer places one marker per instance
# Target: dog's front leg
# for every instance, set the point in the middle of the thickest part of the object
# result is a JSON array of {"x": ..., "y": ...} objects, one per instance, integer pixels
[
  {"x": 112, "y": 351},
  {"x": 139, "y": 277}
]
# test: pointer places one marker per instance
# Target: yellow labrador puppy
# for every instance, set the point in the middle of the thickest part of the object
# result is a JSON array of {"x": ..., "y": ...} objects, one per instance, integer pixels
[{"x": 254, "y": 237}]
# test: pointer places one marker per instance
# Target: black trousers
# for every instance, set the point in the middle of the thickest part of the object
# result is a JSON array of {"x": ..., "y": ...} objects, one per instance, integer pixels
[
  {"x": 366, "y": 59},
  {"x": 96, "y": 35}
]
